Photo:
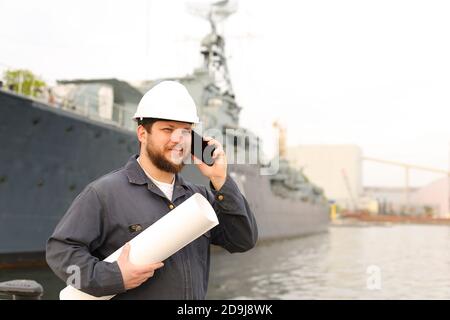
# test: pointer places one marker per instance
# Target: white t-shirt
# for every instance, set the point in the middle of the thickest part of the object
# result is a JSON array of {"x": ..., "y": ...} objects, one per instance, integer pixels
[{"x": 166, "y": 188}]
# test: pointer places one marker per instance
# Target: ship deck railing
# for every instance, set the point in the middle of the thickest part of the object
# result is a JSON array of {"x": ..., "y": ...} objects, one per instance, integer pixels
[{"x": 83, "y": 110}]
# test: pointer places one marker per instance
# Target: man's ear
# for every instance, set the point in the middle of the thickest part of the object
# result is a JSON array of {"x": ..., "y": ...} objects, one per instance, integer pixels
[{"x": 141, "y": 133}]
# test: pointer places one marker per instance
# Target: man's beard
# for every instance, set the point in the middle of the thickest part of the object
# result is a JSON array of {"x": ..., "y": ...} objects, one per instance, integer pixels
[{"x": 161, "y": 162}]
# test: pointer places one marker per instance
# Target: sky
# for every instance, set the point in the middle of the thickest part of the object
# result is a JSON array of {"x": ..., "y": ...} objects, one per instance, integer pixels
[{"x": 370, "y": 73}]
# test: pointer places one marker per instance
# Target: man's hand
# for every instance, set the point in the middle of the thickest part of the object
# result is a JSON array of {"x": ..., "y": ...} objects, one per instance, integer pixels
[
  {"x": 133, "y": 275},
  {"x": 217, "y": 173}
]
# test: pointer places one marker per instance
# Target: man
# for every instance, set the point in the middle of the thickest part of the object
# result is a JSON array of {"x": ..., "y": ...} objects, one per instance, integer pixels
[{"x": 112, "y": 210}]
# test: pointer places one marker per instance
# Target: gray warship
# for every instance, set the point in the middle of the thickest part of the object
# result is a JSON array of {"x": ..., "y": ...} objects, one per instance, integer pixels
[{"x": 51, "y": 151}]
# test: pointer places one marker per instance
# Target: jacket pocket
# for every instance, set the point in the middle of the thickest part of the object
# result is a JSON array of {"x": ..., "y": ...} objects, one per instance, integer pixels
[{"x": 137, "y": 227}]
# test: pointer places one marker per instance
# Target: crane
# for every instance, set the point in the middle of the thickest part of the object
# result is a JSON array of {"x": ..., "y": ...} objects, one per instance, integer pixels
[{"x": 349, "y": 190}]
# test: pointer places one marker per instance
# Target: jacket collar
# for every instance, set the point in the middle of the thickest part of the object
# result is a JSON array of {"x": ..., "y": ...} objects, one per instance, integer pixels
[{"x": 136, "y": 175}]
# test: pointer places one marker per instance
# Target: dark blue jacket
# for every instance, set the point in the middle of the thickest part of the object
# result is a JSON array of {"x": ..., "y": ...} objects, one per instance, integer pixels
[{"x": 113, "y": 209}]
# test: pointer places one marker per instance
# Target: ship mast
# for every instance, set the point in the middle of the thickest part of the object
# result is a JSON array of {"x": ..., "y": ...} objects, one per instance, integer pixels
[{"x": 213, "y": 45}]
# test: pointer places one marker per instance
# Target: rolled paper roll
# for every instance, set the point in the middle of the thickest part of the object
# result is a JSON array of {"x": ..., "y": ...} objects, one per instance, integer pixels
[{"x": 176, "y": 229}]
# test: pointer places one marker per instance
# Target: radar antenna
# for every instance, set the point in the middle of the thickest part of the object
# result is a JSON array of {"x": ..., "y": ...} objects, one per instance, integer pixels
[{"x": 213, "y": 45}]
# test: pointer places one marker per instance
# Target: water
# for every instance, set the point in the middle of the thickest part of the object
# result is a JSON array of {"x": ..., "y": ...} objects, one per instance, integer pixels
[
  {"x": 348, "y": 262},
  {"x": 359, "y": 262}
]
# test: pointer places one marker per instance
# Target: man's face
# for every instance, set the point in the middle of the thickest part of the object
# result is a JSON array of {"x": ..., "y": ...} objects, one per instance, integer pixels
[{"x": 168, "y": 144}]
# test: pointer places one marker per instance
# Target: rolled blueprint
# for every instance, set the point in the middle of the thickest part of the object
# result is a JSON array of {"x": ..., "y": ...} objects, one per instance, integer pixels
[{"x": 176, "y": 229}]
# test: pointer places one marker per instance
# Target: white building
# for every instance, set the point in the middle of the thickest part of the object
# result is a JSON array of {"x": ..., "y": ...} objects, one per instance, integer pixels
[
  {"x": 392, "y": 200},
  {"x": 435, "y": 196},
  {"x": 432, "y": 198},
  {"x": 335, "y": 168}
]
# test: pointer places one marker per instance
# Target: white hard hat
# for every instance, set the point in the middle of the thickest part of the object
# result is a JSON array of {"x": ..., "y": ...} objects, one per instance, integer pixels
[{"x": 168, "y": 100}]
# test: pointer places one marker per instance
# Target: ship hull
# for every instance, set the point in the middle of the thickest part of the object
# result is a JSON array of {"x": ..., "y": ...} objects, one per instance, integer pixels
[{"x": 49, "y": 155}]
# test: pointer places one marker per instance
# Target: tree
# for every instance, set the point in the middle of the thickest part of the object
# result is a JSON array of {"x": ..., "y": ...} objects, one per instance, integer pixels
[{"x": 23, "y": 82}]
